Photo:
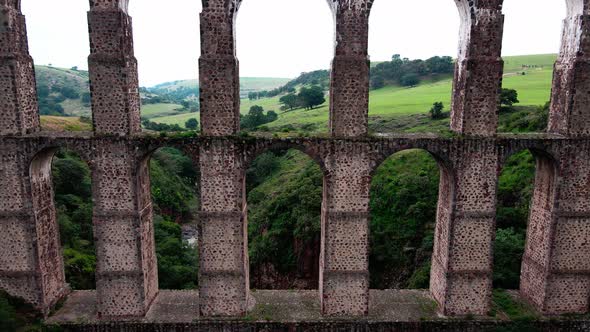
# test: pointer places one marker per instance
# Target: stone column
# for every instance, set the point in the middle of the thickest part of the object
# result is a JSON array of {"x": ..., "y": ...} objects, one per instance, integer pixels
[
  {"x": 569, "y": 114},
  {"x": 479, "y": 67},
  {"x": 31, "y": 262},
  {"x": 461, "y": 277},
  {"x": 18, "y": 98},
  {"x": 223, "y": 238},
  {"x": 344, "y": 266},
  {"x": 555, "y": 274},
  {"x": 126, "y": 263},
  {"x": 349, "y": 87},
  {"x": 219, "y": 77},
  {"x": 113, "y": 69}
]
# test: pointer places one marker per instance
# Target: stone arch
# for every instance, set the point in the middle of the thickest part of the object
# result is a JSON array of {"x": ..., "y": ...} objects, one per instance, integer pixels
[
  {"x": 50, "y": 255},
  {"x": 445, "y": 194},
  {"x": 306, "y": 272},
  {"x": 146, "y": 203},
  {"x": 309, "y": 149},
  {"x": 541, "y": 222}
]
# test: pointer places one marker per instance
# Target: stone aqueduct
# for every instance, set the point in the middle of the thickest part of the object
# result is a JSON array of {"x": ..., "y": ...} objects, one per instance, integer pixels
[{"x": 555, "y": 274}]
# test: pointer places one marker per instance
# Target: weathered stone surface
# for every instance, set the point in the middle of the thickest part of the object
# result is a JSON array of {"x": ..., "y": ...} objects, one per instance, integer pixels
[
  {"x": 114, "y": 84},
  {"x": 555, "y": 274},
  {"x": 569, "y": 113},
  {"x": 479, "y": 67},
  {"x": 19, "y": 113},
  {"x": 349, "y": 87},
  {"x": 218, "y": 69}
]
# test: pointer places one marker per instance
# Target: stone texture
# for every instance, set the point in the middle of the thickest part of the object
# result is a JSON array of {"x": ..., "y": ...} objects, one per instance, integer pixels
[
  {"x": 19, "y": 113},
  {"x": 479, "y": 67},
  {"x": 223, "y": 238},
  {"x": 571, "y": 82},
  {"x": 349, "y": 84},
  {"x": 114, "y": 84},
  {"x": 218, "y": 69}
]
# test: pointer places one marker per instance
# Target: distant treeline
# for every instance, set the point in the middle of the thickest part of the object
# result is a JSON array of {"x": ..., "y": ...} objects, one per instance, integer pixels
[
  {"x": 401, "y": 71},
  {"x": 320, "y": 78},
  {"x": 406, "y": 72}
]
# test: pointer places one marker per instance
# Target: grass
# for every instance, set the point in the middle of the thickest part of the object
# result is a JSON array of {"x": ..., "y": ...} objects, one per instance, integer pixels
[
  {"x": 391, "y": 108},
  {"x": 178, "y": 119},
  {"x": 62, "y": 123},
  {"x": 394, "y": 102},
  {"x": 150, "y": 111},
  {"x": 505, "y": 305}
]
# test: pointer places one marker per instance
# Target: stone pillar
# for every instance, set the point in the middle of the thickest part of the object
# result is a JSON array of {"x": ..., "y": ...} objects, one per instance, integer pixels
[
  {"x": 344, "y": 266},
  {"x": 461, "y": 277},
  {"x": 218, "y": 69},
  {"x": 479, "y": 67},
  {"x": 126, "y": 263},
  {"x": 569, "y": 114},
  {"x": 223, "y": 238},
  {"x": 555, "y": 274},
  {"x": 113, "y": 69},
  {"x": 349, "y": 87},
  {"x": 31, "y": 262},
  {"x": 18, "y": 106}
]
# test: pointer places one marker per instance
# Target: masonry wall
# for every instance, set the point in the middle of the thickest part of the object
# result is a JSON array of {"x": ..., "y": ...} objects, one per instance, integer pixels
[{"x": 555, "y": 275}]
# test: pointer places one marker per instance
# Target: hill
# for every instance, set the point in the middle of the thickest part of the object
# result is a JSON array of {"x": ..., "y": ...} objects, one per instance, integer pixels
[
  {"x": 63, "y": 91},
  {"x": 247, "y": 85},
  {"x": 391, "y": 105}
]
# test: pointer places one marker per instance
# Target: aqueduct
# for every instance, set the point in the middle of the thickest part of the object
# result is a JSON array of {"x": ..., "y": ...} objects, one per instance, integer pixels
[{"x": 556, "y": 267}]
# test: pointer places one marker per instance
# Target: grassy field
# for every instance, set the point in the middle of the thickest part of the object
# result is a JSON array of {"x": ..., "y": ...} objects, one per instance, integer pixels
[
  {"x": 62, "y": 123},
  {"x": 178, "y": 119},
  {"x": 390, "y": 102},
  {"x": 386, "y": 104},
  {"x": 158, "y": 110}
]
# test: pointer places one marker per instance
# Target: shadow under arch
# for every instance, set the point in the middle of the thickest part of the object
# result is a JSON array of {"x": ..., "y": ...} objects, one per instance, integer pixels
[
  {"x": 284, "y": 197},
  {"x": 69, "y": 231},
  {"x": 405, "y": 184}
]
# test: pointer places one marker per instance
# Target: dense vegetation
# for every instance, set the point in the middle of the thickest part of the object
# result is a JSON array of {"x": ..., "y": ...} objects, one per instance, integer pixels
[
  {"x": 173, "y": 181},
  {"x": 406, "y": 72}
]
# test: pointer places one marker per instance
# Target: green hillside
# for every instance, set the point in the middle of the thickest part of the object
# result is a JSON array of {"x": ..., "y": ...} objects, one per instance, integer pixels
[
  {"x": 391, "y": 102},
  {"x": 63, "y": 91},
  {"x": 388, "y": 105},
  {"x": 247, "y": 84}
]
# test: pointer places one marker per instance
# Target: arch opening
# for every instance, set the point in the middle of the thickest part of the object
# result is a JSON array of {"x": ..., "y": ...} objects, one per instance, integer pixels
[
  {"x": 61, "y": 71},
  {"x": 409, "y": 191},
  {"x": 526, "y": 189},
  {"x": 169, "y": 98},
  {"x": 284, "y": 65},
  {"x": 62, "y": 200},
  {"x": 284, "y": 194},
  {"x": 529, "y": 52},
  {"x": 170, "y": 185},
  {"x": 408, "y": 77}
]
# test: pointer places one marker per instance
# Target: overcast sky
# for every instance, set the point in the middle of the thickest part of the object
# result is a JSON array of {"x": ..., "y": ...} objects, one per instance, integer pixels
[{"x": 280, "y": 38}]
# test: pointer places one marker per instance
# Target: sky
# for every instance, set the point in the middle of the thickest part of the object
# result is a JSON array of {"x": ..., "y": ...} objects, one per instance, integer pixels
[{"x": 280, "y": 38}]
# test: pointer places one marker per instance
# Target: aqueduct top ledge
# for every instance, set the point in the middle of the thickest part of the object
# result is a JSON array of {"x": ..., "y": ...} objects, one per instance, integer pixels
[{"x": 375, "y": 149}]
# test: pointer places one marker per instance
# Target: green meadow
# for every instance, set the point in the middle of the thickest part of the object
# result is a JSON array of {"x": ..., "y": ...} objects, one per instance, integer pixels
[{"x": 530, "y": 75}]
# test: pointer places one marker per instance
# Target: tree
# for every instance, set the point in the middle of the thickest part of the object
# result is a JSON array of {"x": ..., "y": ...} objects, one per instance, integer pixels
[
  {"x": 409, "y": 79},
  {"x": 311, "y": 97},
  {"x": 291, "y": 101},
  {"x": 436, "y": 111},
  {"x": 192, "y": 124},
  {"x": 508, "y": 97},
  {"x": 377, "y": 81}
]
